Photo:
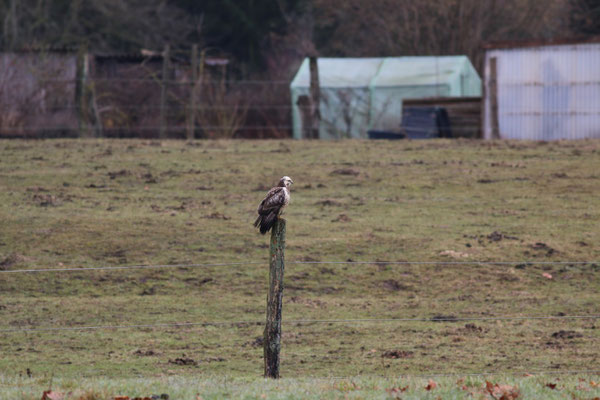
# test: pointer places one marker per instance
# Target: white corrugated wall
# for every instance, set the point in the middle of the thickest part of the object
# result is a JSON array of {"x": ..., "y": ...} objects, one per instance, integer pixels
[{"x": 546, "y": 92}]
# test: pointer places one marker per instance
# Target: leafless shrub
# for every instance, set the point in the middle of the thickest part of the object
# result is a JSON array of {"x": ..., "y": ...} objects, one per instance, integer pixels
[
  {"x": 432, "y": 27},
  {"x": 222, "y": 111},
  {"x": 35, "y": 96}
]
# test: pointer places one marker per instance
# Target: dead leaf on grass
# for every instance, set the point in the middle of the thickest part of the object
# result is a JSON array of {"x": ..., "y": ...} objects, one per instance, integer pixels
[
  {"x": 502, "y": 392},
  {"x": 50, "y": 395},
  {"x": 551, "y": 385},
  {"x": 395, "y": 391},
  {"x": 431, "y": 385},
  {"x": 547, "y": 275}
]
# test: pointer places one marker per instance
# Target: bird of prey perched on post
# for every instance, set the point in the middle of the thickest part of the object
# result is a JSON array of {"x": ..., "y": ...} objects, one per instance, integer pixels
[{"x": 273, "y": 204}]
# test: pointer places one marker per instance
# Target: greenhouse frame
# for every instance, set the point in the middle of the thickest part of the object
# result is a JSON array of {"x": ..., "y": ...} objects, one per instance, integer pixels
[{"x": 362, "y": 94}]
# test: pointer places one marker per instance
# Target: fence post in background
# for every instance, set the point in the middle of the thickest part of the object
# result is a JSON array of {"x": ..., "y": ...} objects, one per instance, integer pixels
[
  {"x": 99, "y": 131},
  {"x": 192, "y": 110},
  {"x": 163, "y": 92},
  {"x": 81, "y": 101},
  {"x": 272, "y": 338},
  {"x": 494, "y": 120},
  {"x": 315, "y": 97}
]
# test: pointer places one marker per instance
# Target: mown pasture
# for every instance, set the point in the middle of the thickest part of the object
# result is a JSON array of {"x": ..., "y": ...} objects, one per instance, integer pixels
[{"x": 103, "y": 203}]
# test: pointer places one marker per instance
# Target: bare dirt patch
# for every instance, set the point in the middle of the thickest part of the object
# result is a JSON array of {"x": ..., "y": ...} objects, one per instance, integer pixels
[
  {"x": 345, "y": 171},
  {"x": 397, "y": 354}
]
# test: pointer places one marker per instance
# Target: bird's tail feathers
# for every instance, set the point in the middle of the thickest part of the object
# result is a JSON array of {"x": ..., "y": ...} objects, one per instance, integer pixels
[{"x": 267, "y": 222}]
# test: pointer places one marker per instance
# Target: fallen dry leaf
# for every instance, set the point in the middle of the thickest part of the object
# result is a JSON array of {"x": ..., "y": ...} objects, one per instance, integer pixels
[
  {"x": 431, "y": 385},
  {"x": 551, "y": 385},
  {"x": 502, "y": 392},
  {"x": 594, "y": 384},
  {"x": 547, "y": 275},
  {"x": 122, "y": 398},
  {"x": 50, "y": 395},
  {"x": 396, "y": 390}
]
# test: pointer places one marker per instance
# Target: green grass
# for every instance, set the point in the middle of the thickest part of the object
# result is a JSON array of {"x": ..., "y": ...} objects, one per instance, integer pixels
[
  {"x": 108, "y": 203},
  {"x": 216, "y": 387}
]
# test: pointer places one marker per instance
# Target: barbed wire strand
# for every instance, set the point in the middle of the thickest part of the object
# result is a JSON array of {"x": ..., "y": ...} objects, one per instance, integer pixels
[
  {"x": 458, "y": 374},
  {"x": 223, "y": 264},
  {"x": 300, "y": 322}
]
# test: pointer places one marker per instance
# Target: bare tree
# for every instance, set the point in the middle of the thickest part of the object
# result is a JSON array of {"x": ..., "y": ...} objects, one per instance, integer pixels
[{"x": 431, "y": 27}]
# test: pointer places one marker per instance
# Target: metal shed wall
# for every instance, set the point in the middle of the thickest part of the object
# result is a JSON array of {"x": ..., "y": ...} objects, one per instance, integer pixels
[{"x": 544, "y": 92}]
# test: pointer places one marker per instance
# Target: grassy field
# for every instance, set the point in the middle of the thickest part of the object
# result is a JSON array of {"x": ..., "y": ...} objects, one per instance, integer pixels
[
  {"x": 113, "y": 203},
  {"x": 216, "y": 388}
]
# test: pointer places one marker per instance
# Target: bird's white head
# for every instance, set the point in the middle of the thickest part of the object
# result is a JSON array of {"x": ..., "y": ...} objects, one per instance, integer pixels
[{"x": 286, "y": 181}]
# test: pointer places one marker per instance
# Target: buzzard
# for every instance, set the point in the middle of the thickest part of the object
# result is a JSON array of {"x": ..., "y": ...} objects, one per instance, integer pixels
[{"x": 273, "y": 204}]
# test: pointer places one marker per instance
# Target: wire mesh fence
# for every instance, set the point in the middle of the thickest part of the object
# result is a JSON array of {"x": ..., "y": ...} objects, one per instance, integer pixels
[{"x": 57, "y": 97}]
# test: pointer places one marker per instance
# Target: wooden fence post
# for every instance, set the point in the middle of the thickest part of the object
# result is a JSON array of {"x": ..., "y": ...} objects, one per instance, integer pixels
[
  {"x": 272, "y": 338},
  {"x": 315, "y": 97},
  {"x": 192, "y": 110},
  {"x": 494, "y": 119},
  {"x": 81, "y": 91},
  {"x": 162, "y": 133}
]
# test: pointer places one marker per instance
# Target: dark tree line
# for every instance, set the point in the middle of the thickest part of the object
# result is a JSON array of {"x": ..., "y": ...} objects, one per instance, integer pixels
[{"x": 249, "y": 31}]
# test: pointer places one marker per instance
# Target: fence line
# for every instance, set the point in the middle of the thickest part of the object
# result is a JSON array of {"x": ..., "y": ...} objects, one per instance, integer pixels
[
  {"x": 457, "y": 374},
  {"x": 170, "y": 128},
  {"x": 300, "y": 322},
  {"x": 243, "y": 106},
  {"x": 157, "y": 80},
  {"x": 226, "y": 264}
]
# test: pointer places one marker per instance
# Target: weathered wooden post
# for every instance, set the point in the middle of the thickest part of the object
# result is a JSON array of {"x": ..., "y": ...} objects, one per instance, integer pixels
[
  {"x": 166, "y": 56},
  {"x": 494, "y": 119},
  {"x": 315, "y": 97},
  {"x": 272, "y": 338},
  {"x": 81, "y": 90},
  {"x": 192, "y": 108}
]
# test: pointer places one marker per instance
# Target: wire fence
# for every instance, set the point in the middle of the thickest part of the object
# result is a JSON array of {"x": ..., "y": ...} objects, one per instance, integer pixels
[
  {"x": 50, "y": 104},
  {"x": 301, "y": 322},
  {"x": 319, "y": 321},
  {"x": 238, "y": 263}
]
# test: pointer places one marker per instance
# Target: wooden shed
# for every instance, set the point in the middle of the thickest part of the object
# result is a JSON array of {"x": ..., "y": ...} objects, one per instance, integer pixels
[{"x": 464, "y": 113}]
